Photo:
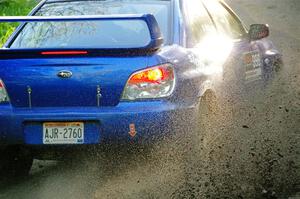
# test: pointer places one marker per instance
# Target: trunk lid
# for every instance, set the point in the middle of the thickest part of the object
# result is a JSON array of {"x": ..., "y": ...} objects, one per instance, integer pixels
[{"x": 49, "y": 90}]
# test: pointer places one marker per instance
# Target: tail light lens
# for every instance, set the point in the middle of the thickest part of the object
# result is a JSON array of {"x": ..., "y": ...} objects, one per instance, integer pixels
[
  {"x": 154, "y": 82},
  {"x": 3, "y": 93}
]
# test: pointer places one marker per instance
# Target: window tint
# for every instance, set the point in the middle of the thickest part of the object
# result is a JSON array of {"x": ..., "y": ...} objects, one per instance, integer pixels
[
  {"x": 94, "y": 34},
  {"x": 225, "y": 22},
  {"x": 198, "y": 22}
]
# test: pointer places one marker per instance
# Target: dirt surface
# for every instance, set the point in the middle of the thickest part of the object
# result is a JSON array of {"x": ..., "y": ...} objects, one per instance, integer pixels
[
  {"x": 279, "y": 109},
  {"x": 253, "y": 152}
]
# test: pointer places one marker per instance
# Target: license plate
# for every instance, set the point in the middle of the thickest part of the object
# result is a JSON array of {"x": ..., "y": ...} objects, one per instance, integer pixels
[{"x": 63, "y": 133}]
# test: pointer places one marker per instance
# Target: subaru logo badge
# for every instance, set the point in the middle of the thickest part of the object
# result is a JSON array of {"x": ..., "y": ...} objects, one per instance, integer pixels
[{"x": 64, "y": 74}]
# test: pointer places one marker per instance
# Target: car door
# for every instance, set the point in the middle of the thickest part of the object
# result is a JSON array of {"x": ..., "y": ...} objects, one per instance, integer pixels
[{"x": 244, "y": 64}]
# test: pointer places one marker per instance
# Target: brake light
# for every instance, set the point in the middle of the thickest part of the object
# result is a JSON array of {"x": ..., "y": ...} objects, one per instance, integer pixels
[
  {"x": 3, "y": 93},
  {"x": 64, "y": 53},
  {"x": 153, "y": 75},
  {"x": 154, "y": 82}
]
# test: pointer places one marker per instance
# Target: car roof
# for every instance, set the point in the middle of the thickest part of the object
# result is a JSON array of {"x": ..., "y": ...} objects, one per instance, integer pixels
[{"x": 53, "y": 1}]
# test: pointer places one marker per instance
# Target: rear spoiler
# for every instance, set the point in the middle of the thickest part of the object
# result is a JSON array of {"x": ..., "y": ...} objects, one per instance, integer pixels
[{"x": 154, "y": 44}]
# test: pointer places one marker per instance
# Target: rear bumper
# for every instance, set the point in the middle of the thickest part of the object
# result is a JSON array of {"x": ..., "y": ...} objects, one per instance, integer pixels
[{"x": 153, "y": 120}]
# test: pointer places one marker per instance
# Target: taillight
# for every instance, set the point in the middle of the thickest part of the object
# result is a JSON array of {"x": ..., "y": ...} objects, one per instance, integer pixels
[
  {"x": 3, "y": 93},
  {"x": 154, "y": 82}
]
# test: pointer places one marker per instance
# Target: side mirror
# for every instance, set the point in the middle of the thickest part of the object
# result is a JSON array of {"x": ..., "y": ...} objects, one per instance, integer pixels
[{"x": 258, "y": 31}]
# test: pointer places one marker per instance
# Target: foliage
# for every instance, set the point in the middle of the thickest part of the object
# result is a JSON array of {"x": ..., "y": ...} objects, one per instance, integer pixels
[{"x": 12, "y": 8}]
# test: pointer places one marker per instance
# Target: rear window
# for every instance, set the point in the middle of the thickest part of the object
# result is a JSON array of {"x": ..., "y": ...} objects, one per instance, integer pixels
[
  {"x": 85, "y": 34},
  {"x": 94, "y": 34}
]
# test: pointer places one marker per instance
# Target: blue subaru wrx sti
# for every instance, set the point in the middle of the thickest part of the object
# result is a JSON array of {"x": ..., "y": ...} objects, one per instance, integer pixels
[{"x": 94, "y": 72}]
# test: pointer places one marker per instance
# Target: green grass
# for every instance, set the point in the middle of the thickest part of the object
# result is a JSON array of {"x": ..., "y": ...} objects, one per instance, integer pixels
[{"x": 12, "y": 8}]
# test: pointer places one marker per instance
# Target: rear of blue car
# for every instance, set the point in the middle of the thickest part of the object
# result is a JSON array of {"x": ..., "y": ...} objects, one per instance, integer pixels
[
  {"x": 87, "y": 80},
  {"x": 77, "y": 82}
]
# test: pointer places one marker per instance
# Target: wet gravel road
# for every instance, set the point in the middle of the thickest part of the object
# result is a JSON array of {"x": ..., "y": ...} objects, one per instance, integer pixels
[{"x": 255, "y": 154}]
